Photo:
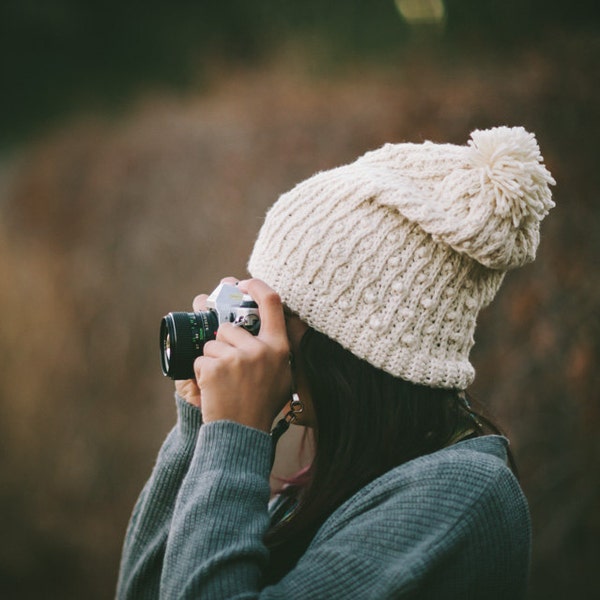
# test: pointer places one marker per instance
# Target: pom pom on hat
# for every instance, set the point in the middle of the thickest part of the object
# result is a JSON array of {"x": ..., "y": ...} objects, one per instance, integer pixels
[
  {"x": 512, "y": 173},
  {"x": 394, "y": 255}
]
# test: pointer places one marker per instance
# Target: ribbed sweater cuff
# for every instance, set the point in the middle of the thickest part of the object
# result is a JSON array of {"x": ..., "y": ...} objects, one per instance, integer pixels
[
  {"x": 234, "y": 447},
  {"x": 189, "y": 417}
]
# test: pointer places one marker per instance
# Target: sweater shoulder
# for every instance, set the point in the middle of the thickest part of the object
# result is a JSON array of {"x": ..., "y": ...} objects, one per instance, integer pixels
[
  {"x": 471, "y": 462},
  {"x": 468, "y": 476},
  {"x": 449, "y": 522}
]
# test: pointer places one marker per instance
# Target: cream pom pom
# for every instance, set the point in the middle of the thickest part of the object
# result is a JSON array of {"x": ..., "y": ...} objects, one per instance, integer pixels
[{"x": 512, "y": 173}]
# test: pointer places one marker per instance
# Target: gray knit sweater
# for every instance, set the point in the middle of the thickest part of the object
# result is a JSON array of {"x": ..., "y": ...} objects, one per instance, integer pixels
[{"x": 452, "y": 524}]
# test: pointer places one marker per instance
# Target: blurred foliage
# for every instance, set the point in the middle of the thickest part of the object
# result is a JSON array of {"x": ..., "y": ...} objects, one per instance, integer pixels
[
  {"x": 65, "y": 55},
  {"x": 177, "y": 129}
]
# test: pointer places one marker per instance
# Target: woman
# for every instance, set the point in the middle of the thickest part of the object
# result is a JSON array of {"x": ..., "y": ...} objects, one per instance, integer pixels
[{"x": 369, "y": 279}]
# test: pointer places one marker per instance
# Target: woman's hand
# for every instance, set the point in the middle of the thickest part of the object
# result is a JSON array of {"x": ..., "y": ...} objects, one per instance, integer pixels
[
  {"x": 246, "y": 378},
  {"x": 187, "y": 388}
]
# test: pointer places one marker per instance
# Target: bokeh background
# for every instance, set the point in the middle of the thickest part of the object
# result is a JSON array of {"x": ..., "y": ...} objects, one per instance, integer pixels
[{"x": 140, "y": 145}]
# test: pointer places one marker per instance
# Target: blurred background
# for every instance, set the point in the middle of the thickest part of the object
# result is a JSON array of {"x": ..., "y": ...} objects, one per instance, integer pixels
[{"x": 140, "y": 145}]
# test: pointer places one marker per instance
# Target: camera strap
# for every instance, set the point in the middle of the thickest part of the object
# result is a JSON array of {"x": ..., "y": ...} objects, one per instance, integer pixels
[{"x": 296, "y": 407}]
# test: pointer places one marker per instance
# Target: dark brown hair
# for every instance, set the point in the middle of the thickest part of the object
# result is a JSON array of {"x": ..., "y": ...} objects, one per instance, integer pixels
[{"x": 368, "y": 422}]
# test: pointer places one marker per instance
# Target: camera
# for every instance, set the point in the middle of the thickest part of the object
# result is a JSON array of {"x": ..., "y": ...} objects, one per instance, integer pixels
[{"x": 183, "y": 334}]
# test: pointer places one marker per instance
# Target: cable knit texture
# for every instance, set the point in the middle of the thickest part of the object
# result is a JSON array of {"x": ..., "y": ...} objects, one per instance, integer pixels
[{"x": 394, "y": 255}]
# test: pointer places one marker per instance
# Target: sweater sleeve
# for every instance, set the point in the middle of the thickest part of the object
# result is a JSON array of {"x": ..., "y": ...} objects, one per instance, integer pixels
[
  {"x": 453, "y": 529},
  {"x": 146, "y": 537},
  {"x": 215, "y": 547}
]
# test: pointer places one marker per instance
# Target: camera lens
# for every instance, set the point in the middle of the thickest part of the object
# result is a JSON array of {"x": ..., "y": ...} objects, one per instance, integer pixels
[{"x": 182, "y": 339}]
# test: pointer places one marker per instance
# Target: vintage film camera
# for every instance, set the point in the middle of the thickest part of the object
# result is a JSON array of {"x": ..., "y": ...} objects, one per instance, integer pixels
[{"x": 183, "y": 334}]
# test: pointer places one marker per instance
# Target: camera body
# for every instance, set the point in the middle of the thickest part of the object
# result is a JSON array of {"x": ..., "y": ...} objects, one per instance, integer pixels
[{"x": 183, "y": 334}]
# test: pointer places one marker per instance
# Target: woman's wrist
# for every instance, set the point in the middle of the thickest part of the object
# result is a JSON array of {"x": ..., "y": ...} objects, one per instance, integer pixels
[{"x": 188, "y": 391}]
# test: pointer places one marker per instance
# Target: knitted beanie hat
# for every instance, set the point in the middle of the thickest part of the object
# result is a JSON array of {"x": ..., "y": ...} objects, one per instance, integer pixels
[{"x": 394, "y": 255}]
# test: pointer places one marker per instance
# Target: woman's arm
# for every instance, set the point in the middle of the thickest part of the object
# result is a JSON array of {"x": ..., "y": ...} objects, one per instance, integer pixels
[
  {"x": 144, "y": 547},
  {"x": 215, "y": 547}
]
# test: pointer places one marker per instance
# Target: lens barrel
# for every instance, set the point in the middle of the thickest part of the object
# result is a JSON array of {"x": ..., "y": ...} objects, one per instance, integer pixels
[{"x": 182, "y": 339}]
